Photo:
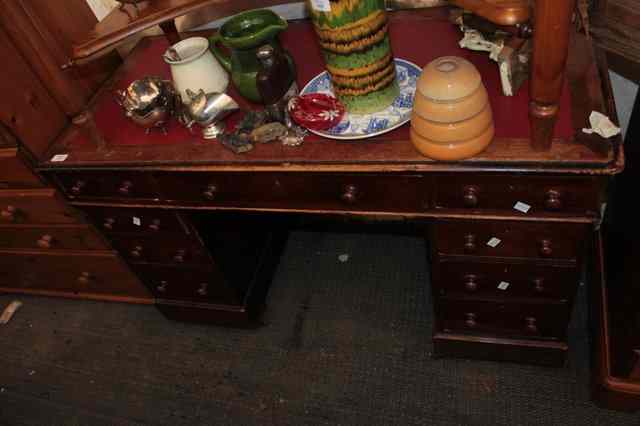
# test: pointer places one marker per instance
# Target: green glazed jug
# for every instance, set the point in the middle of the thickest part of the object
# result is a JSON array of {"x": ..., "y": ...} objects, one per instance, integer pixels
[{"x": 243, "y": 34}]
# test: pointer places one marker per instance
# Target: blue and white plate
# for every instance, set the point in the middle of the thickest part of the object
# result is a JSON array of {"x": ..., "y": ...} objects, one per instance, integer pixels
[{"x": 357, "y": 126}]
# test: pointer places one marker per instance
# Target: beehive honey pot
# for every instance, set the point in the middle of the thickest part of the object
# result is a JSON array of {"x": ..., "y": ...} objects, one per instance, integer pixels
[{"x": 452, "y": 117}]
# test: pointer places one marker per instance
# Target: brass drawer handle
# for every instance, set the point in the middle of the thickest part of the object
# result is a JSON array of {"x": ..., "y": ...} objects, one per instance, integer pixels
[
  {"x": 530, "y": 325},
  {"x": 77, "y": 187},
  {"x": 470, "y": 320},
  {"x": 45, "y": 242},
  {"x": 470, "y": 196},
  {"x": 350, "y": 194},
  {"x": 210, "y": 192},
  {"x": 538, "y": 284},
  {"x": 136, "y": 252},
  {"x": 162, "y": 287},
  {"x": 470, "y": 282},
  {"x": 546, "y": 248},
  {"x": 203, "y": 290},
  {"x": 126, "y": 187},
  {"x": 180, "y": 256},
  {"x": 108, "y": 223},
  {"x": 84, "y": 278},
  {"x": 553, "y": 200},
  {"x": 470, "y": 243},
  {"x": 10, "y": 213}
]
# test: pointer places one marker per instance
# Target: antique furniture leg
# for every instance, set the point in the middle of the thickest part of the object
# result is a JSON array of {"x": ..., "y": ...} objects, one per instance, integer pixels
[{"x": 550, "y": 43}]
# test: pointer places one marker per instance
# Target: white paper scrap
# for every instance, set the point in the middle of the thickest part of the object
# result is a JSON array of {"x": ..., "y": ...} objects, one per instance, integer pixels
[
  {"x": 522, "y": 207},
  {"x": 494, "y": 242},
  {"x": 503, "y": 285},
  {"x": 58, "y": 158},
  {"x": 137, "y": 221},
  {"x": 601, "y": 125}
]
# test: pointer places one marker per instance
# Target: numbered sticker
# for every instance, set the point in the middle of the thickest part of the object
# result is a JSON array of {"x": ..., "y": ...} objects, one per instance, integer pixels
[
  {"x": 321, "y": 5},
  {"x": 58, "y": 158},
  {"x": 494, "y": 242},
  {"x": 137, "y": 221},
  {"x": 503, "y": 285},
  {"x": 522, "y": 207}
]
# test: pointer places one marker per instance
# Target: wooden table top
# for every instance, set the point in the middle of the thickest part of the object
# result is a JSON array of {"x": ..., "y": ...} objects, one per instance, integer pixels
[{"x": 572, "y": 150}]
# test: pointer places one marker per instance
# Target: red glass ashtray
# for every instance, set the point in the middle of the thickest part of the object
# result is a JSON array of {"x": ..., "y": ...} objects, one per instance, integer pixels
[{"x": 316, "y": 111}]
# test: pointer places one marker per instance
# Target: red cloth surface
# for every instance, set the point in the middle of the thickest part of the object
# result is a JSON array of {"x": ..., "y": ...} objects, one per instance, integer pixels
[{"x": 418, "y": 41}]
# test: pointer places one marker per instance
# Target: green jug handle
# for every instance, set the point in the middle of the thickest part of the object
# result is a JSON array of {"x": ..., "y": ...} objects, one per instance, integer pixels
[{"x": 224, "y": 59}]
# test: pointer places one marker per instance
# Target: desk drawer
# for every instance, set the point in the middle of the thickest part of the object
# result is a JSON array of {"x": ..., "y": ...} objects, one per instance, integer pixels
[
  {"x": 562, "y": 241},
  {"x": 144, "y": 221},
  {"x": 202, "y": 285},
  {"x": 108, "y": 184},
  {"x": 50, "y": 237},
  {"x": 296, "y": 191},
  {"x": 171, "y": 248},
  {"x": 504, "y": 281},
  {"x": 505, "y": 319},
  {"x": 577, "y": 195},
  {"x": 38, "y": 206},
  {"x": 14, "y": 173},
  {"x": 80, "y": 273}
]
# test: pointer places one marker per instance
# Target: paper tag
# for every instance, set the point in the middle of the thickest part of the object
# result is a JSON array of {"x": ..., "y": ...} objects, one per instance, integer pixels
[
  {"x": 522, "y": 207},
  {"x": 137, "y": 221},
  {"x": 494, "y": 242},
  {"x": 503, "y": 285},
  {"x": 58, "y": 158},
  {"x": 321, "y": 5}
]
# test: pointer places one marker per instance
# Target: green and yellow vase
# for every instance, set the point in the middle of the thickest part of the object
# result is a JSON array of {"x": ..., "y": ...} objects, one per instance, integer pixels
[{"x": 355, "y": 44}]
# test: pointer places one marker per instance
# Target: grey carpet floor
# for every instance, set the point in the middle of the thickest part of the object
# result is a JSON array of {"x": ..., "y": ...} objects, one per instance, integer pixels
[{"x": 343, "y": 343}]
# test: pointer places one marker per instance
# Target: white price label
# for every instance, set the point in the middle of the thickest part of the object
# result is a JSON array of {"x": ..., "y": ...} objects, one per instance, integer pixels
[
  {"x": 137, "y": 221},
  {"x": 321, "y": 5},
  {"x": 522, "y": 207},
  {"x": 58, "y": 158},
  {"x": 503, "y": 285},
  {"x": 494, "y": 242}
]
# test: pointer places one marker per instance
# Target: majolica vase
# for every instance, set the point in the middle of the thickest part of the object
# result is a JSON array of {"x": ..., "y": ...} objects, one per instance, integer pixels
[{"x": 354, "y": 38}]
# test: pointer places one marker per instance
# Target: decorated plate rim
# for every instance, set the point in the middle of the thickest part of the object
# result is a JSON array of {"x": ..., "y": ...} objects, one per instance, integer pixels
[{"x": 355, "y": 136}]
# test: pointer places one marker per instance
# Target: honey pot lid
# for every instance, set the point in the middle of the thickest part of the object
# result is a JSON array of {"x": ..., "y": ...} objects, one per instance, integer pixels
[{"x": 448, "y": 78}]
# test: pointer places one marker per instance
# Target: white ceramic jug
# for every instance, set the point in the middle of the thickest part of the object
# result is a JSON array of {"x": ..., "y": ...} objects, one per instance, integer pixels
[{"x": 196, "y": 68}]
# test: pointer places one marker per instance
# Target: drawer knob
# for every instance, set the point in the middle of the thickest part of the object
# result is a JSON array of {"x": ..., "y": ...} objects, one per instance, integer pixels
[
  {"x": 350, "y": 194},
  {"x": 546, "y": 248},
  {"x": 469, "y": 243},
  {"x": 45, "y": 242},
  {"x": 108, "y": 223},
  {"x": 84, "y": 278},
  {"x": 538, "y": 284},
  {"x": 126, "y": 187},
  {"x": 203, "y": 289},
  {"x": 553, "y": 200},
  {"x": 9, "y": 213},
  {"x": 530, "y": 325},
  {"x": 78, "y": 186},
  {"x": 470, "y": 282},
  {"x": 180, "y": 256},
  {"x": 154, "y": 225},
  {"x": 136, "y": 252},
  {"x": 210, "y": 192},
  {"x": 470, "y": 196},
  {"x": 470, "y": 320},
  {"x": 162, "y": 286}
]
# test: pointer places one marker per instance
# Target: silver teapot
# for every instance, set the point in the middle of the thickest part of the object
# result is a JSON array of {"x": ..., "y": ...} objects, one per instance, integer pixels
[{"x": 149, "y": 102}]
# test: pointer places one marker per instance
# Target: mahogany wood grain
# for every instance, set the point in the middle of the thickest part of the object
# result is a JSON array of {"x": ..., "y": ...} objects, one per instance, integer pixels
[
  {"x": 550, "y": 50},
  {"x": 166, "y": 248},
  {"x": 107, "y": 185},
  {"x": 132, "y": 220},
  {"x": 50, "y": 237},
  {"x": 14, "y": 171},
  {"x": 35, "y": 206},
  {"x": 501, "y": 12}
]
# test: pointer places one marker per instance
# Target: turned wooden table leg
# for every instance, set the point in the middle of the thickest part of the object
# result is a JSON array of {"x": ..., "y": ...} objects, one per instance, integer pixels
[
  {"x": 87, "y": 124},
  {"x": 170, "y": 32},
  {"x": 550, "y": 44}
]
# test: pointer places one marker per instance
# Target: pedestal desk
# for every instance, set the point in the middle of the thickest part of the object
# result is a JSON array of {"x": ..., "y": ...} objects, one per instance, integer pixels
[{"x": 203, "y": 227}]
